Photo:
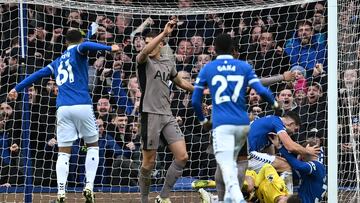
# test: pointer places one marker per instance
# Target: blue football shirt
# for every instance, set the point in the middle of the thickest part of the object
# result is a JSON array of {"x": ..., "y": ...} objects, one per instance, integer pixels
[
  {"x": 312, "y": 175},
  {"x": 227, "y": 78},
  {"x": 258, "y": 136},
  {"x": 71, "y": 74}
]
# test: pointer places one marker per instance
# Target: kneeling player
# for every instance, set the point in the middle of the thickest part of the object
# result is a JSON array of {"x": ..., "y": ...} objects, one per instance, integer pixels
[
  {"x": 258, "y": 140},
  {"x": 309, "y": 170}
]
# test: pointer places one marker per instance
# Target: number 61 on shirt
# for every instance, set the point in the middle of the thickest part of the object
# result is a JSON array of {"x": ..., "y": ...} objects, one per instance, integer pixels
[{"x": 64, "y": 74}]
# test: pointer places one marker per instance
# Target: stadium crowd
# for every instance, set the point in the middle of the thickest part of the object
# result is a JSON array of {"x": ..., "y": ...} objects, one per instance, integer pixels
[{"x": 275, "y": 41}]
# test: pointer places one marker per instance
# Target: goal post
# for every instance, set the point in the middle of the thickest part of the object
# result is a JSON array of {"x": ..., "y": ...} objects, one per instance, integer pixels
[
  {"x": 332, "y": 106},
  {"x": 39, "y": 38}
]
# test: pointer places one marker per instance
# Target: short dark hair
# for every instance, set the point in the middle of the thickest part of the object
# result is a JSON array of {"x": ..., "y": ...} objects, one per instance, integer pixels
[
  {"x": 153, "y": 34},
  {"x": 294, "y": 199},
  {"x": 311, "y": 141},
  {"x": 286, "y": 87},
  {"x": 315, "y": 84},
  {"x": 73, "y": 36},
  {"x": 224, "y": 44},
  {"x": 305, "y": 22},
  {"x": 294, "y": 116}
]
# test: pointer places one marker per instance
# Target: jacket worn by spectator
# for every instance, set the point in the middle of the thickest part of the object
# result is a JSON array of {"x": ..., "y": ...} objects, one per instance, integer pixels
[{"x": 308, "y": 55}]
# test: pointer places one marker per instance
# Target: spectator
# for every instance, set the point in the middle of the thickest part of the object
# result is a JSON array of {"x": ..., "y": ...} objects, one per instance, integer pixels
[
  {"x": 184, "y": 56},
  {"x": 198, "y": 43},
  {"x": 300, "y": 96},
  {"x": 104, "y": 36},
  {"x": 9, "y": 168},
  {"x": 195, "y": 138},
  {"x": 74, "y": 20},
  {"x": 255, "y": 105},
  {"x": 307, "y": 49},
  {"x": 313, "y": 114},
  {"x": 103, "y": 110},
  {"x": 286, "y": 99},
  {"x": 123, "y": 28},
  {"x": 268, "y": 61},
  {"x": 319, "y": 23},
  {"x": 118, "y": 128},
  {"x": 48, "y": 101},
  {"x": 136, "y": 37},
  {"x": 299, "y": 85},
  {"x": 9, "y": 26},
  {"x": 6, "y": 79},
  {"x": 13, "y": 69},
  {"x": 126, "y": 167},
  {"x": 56, "y": 43},
  {"x": 249, "y": 45},
  {"x": 202, "y": 59},
  {"x": 106, "y": 22},
  {"x": 39, "y": 133},
  {"x": 13, "y": 121},
  {"x": 185, "y": 3}
]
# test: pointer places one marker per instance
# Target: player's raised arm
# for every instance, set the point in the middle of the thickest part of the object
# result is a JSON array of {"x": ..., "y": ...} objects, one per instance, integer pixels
[
  {"x": 74, "y": 37},
  {"x": 44, "y": 72},
  {"x": 92, "y": 46},
  {"x": 286, "y": 76},
  {"x": 154, "y": 43},
  {"x": 255, "y": 83}
]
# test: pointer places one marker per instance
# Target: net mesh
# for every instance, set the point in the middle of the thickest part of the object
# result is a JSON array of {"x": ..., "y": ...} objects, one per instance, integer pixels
[
  {"x": 265, "y": 33},
  {"x": 349, "y": 113}
]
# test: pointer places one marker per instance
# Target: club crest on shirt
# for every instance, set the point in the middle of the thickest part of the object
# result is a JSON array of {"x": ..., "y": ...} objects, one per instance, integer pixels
[{"x": 270, "y": 177}]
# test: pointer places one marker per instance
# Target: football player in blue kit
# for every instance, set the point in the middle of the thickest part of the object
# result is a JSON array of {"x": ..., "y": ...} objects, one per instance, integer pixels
[
  {"x": 75, "y": 115},
  {"x": 227, "y": 78}
]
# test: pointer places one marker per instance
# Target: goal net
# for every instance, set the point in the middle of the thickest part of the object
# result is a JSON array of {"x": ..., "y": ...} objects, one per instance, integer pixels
[
  {"x": 349, "y": 114},
  {"x": 274, "y": 36}
]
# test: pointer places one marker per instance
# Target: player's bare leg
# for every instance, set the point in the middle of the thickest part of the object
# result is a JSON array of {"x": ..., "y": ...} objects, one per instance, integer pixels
[
  {"x": 62, "y": 171},
  {"x": 175, "y": 170},
  {"x": 91, "y": 165},
  {"x": 148, "y": 162}
]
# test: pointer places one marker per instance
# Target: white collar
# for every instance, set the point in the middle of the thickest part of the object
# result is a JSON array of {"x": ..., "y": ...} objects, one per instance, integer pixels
[
  {"x": 71, "y": 46},
  {"x": 225, "y": 57}
]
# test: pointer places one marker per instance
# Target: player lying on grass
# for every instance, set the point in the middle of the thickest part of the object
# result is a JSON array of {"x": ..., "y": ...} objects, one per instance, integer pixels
[
  {"x": 266, "y": 186},
  {"x": 308, "y": 169},
  {"x": 259, "y": 142},
  {"x": 75, "y": 115}
]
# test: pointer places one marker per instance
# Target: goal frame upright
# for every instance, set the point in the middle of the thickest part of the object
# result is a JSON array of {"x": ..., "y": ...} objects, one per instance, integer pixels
[{"x": 332, "y": 144}]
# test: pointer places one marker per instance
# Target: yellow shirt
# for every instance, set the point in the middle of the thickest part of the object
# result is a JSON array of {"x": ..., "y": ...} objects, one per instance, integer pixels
[{"x": 269, "y": 185}]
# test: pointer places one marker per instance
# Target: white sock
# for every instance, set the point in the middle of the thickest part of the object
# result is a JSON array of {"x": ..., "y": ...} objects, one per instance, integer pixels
[
  {"x": 229, "y": 171},
  {"x": 91, "y": 165},
  {"x": 62, "y": 171},
  {"x": 287, "y": 176}
]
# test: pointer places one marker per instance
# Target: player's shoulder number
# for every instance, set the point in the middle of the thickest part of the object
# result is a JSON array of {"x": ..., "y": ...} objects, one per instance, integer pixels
[
  {"x": 224, "y": 81},
  {"x": 65, "y": 72}
]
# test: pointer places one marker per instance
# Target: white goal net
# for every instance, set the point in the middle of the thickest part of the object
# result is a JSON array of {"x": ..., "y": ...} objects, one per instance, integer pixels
[
  {"x": 349, "y": 114},
  {"x": 274, "y": 36}
]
